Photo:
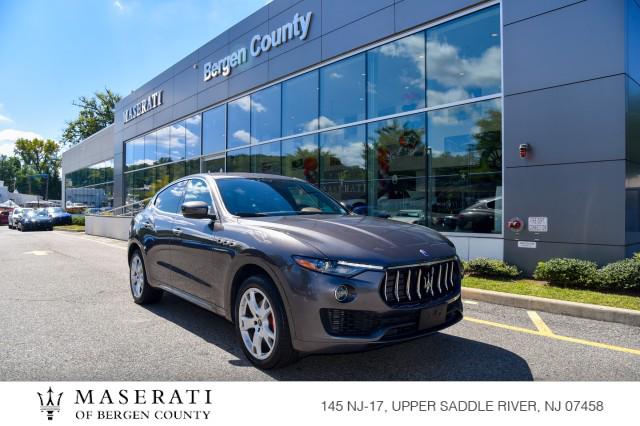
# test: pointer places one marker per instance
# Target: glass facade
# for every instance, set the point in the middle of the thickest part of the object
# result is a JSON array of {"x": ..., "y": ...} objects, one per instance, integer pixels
[
  {"x": 91, "y": 187},
  {"x": 409, "y": 130}
]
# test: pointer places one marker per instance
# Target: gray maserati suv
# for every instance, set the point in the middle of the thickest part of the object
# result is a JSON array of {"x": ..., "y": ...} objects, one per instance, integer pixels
[{"x": 290, "y": 267}]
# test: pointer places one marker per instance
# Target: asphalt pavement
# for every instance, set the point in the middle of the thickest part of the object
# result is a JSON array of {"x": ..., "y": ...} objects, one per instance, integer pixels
[{"x": 66, "y": 313}]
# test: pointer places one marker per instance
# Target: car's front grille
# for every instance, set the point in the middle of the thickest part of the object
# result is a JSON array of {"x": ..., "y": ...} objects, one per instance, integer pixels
[{"x": 422, "y": 283}]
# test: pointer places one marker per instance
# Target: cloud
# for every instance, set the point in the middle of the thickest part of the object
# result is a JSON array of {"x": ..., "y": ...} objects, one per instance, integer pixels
[
  {"x": 350, "y": 154},
  {"x": 322, "y": 123},
  {"x": 448, "y": 67},
  {"x": 5, "y": 119},
  {"x": 118, "y": 5},
  {"x": 8, "y": 138},
  {"x": 244, "y": 136}
]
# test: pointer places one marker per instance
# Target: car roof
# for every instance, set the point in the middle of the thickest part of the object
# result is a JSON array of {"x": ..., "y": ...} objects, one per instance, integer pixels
[{"x": 217, "y": 176}]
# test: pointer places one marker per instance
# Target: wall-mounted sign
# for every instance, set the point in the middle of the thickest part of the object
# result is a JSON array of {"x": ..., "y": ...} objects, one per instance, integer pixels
[
  {"x": 297, "y": 28},
  {"x": 152, "y": 101},
  {"x": 527, "y": 244},
  {"x": 538, "y": 224}
]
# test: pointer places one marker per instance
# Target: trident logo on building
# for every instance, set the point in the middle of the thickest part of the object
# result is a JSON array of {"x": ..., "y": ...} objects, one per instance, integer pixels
[{"x": 50, "y": 407}]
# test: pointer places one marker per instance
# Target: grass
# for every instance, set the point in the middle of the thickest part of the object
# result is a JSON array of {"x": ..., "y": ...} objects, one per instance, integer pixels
[
  {"x": 74, "y": 228},
  {"x": 542, "y": 289}
]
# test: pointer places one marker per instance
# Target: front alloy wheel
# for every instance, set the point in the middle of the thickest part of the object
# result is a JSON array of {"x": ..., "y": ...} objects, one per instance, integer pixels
[
  {"x": 257, "y": 323},
  {"x": 261, "y": 324}
]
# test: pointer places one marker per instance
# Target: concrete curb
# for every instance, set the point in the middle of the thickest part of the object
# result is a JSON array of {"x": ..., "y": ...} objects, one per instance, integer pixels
[{"x": 581, "y": 310}]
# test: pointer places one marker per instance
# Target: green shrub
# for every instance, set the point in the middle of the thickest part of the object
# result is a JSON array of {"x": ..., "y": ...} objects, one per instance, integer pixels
[
  {"x": 621, "y": 275},
  {"x": 483, "y": 267},
  {"x": 568, "y": 272},
  {"x": 77, "y": 220},
  {"x": 636, "y": 256}
]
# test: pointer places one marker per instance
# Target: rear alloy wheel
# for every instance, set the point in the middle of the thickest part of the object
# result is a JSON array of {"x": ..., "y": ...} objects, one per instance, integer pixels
[
  {"x": 261, "y": 324},
  {"x": 141, "y": 291}
]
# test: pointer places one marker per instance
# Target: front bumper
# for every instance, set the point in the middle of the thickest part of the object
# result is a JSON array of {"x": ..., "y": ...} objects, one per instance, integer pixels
[
  {"x": 321, "y": 324},
  {"x": 36, "y": 226}
]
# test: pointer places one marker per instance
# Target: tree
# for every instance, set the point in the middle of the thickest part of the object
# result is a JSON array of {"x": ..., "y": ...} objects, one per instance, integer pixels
[
  {"x": 96, "y": 113},
  {"x": 38, "y": 156},
  {"x": 9, "y": 170}
]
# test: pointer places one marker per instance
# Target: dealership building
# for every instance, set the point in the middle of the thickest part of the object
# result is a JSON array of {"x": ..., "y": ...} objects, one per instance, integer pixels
[{"x": 512, "y": 127}]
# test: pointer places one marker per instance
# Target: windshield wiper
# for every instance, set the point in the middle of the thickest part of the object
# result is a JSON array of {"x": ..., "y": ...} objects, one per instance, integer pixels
[{"x": 250, "y": 214}]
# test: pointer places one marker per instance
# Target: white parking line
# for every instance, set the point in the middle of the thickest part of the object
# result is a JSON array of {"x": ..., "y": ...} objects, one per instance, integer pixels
[{"x": 96, "y": 240}]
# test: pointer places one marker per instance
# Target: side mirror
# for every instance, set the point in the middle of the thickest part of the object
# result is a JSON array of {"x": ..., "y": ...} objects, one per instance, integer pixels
[{"x": 196, "y": 210}]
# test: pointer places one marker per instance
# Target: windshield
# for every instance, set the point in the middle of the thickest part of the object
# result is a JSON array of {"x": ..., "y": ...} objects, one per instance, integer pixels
[
  {"x": 55, "y": 209},
  {"x": 274, "y": 197},
  {"x": 25, "y": 211}
]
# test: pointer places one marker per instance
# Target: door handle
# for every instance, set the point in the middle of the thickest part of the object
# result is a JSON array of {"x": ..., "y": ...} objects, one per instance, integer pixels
[
  {"x": 147, "y": 224},
  {"x": 176, "y": 231}
]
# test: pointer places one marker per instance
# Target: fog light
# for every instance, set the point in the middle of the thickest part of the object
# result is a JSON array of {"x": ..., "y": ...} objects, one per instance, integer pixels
[{"x": 342, "y": 293}]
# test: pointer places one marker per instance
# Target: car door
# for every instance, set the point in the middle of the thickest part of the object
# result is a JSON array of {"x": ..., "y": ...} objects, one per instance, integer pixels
[
  {"x": 162, "y": 238},
  {"x": 202, "y": 253}
]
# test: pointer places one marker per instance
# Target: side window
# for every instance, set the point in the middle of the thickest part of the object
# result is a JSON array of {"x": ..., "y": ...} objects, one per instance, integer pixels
[
  {"x": 170, "y": 199},
  {"x": 197, "y": 190}
]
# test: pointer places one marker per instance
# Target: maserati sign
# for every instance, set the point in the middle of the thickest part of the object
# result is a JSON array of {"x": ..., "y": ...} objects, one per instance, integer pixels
[{"x": 152, "y": 101}]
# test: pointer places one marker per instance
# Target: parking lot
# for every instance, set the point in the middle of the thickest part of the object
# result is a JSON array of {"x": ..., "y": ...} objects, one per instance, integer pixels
[{"x": 67, "y": 314}]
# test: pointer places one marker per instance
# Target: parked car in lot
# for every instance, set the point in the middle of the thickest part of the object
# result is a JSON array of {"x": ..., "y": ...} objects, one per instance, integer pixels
[
  {"x": 35, "y": 220},
  {"x": 15, "y": 216},
  {"x": 4, "y": 217},
  {"x": 290, "y": 267},
  {"x": 413, "y": 216},
  {"x": 59, "y": 216}
]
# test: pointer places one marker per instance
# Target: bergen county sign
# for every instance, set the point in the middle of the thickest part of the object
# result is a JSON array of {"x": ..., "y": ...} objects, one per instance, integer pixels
[{"x": 297, "y": 28}]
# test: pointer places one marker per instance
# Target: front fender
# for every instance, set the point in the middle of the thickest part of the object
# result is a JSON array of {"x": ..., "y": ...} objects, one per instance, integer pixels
[{"x": 272, "y": 270}]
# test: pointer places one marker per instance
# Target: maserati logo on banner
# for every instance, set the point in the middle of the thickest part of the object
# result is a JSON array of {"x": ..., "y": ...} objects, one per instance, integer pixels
[{"x": 47, "y": 403}]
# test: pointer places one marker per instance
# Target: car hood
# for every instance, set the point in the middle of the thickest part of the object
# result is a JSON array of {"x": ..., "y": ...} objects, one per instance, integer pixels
[{"x": 360, "y": 238}]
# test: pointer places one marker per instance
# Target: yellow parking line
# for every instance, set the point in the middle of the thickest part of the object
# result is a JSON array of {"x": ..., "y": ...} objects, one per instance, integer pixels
[
  {"x": 470, "y": 302},
  {"x": 555, "y": 336},
  {"x": 540, "y": 325}
]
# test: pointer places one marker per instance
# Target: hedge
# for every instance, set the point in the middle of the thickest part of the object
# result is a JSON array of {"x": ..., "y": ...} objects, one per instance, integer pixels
[{"x": 484, "y": 267}]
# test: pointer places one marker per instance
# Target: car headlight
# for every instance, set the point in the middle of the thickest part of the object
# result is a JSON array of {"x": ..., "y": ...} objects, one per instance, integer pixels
[{"x": 334, "y": 267}]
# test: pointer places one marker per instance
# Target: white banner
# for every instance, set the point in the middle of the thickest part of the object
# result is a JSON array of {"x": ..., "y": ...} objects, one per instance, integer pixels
[{"x": 338, "y": 403}]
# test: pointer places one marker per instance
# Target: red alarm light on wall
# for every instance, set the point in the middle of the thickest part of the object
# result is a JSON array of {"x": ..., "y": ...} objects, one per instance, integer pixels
[
  {"x": 515, "y": 224},
  {"x": 524, "y": 150}
]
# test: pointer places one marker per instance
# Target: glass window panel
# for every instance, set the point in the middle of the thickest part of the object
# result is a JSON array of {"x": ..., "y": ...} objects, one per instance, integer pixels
[
  {"x": 177, "y": 170},
  {"x": 239, "y": 122},
  {"x": 342, "y": 165},
  {"x": 138, "y": 153},
  {"x": 396, "y": 76},
  {"x": 265, "y": 114},
  {"x": 239, "y": 160},
  {"x": 178, "y": 141},
  {"x": 149, "y": 180},
  {"x": 193, "y": 129},
  {"x": 300, "y": 104},
  {"x": 150, "y": 149},
  {"x": 162, "y": 178},
  {"x": 300, "y": 158},
  {"x": 197, "y": 190},
  {"x": 128, "y": 155},
  {"x": 109, "y": 171},
  {"x": 397, "y": 168},
  {"x": 213, "y": 129},
  {"x": 163, "y": 145},
  {"x": 266, "y": 158},
  {"x": 342, "y": 92},
  {"x": 214, "y": 165},
  {"x": 465, "y": 145},
  {"x": 463, "y": 58},
  {"x": 192, "y": 166}
]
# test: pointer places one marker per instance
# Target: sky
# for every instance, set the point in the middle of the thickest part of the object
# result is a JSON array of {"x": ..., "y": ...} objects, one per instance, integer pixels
[{"x": 54, "y": 51}]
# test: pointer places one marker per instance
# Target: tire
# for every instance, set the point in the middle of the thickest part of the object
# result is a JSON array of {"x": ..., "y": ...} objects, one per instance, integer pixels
[
  {"x": 141, "y": 291},
  {"x": 270, "y": 352}
]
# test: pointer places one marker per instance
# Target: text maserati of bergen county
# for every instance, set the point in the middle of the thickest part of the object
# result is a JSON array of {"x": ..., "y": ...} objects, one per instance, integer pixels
[{"x": 143, "y": 404}]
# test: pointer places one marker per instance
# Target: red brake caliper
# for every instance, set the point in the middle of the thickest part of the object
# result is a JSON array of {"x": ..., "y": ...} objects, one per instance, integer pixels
[{"x": 272, "y": 322}]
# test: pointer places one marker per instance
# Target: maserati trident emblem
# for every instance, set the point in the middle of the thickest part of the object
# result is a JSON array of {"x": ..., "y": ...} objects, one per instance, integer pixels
[
  {"x": 424, "y": 253},
  {"x": 49, "y": 406}
]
